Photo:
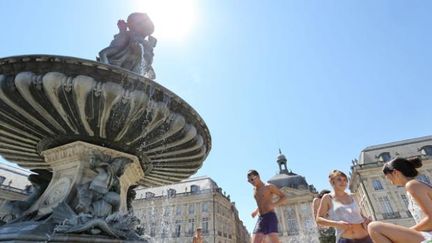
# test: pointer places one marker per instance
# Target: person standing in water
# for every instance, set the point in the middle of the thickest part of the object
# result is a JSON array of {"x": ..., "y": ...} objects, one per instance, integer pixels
[
  {"x": 339, "y": 209},
  {"x": 267, "y": 224},
  {"x": 326, "y": 234}
]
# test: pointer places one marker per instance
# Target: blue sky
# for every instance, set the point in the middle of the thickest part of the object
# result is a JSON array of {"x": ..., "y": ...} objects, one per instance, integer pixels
[{"x": 321, "y": 80}]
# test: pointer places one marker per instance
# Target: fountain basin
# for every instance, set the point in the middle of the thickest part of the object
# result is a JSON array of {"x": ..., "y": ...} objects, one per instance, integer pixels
[{"x": 48, "y": 101}]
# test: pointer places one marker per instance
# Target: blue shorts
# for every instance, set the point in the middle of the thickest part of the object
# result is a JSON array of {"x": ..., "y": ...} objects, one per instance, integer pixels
[{"x": 266, "y": 224}]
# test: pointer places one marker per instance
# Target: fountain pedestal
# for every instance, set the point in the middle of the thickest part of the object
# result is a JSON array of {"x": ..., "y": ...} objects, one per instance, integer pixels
[
  {"x": 71, "y": 168},
  {"x": 86, "y": 178}
]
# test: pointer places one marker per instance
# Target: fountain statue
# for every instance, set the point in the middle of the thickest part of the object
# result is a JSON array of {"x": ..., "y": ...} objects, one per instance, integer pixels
[{"x": 91, "y": 132}]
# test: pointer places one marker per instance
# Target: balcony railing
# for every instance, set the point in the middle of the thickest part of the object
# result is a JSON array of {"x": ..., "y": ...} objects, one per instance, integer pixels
[{"x": 392, "y": 215}]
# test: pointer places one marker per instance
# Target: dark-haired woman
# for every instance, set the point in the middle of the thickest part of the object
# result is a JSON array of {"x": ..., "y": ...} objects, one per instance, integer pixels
[
  {"x": 326, "y": 234},
  {"x": 343, "y": 212},
  {"x": 401, "y": 172}
]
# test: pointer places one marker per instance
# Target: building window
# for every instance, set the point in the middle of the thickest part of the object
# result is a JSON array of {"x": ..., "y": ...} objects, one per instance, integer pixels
[
  {"x": 195, "y": 188},
  {"x": 377, "y": 185},
  {"x": 387, "y": 208},
  {"x": 424, "y": 178},
  {"x": 178, "y": 210},
  {"x": 149, "y": 195},
  {"x": 204, "y": 207},
  {"x": 205, "y": 225},
  {"x": 177, "y": 230},
  {"x": 384, "y": 157},
  {"x": 192, "y": 208},
  {"x": 166, "y": 211},
  {"x": 404, "y": 200},
  {"x": 293, "y": 227},
  {"x": 164, "y": 233},
  {"x": 385, "y": 204},
  {"x": 426, "y": 150},
  {"x": 153, "y": 230},
  {"x": 171, "y": 192},
  {"x": 191, "y": 228},
  {"x": 2, "y": 179}
]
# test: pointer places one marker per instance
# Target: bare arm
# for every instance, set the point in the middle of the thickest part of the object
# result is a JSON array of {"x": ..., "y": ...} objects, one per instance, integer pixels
[
  {"x": 315, "y": 206},
  {"x": 420, "y": 193},
  {"x": 255, "y": 213},
  {"x": 282, "y": 198}
]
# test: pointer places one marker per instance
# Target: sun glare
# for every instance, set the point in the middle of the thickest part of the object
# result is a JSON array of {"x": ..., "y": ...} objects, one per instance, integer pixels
[{"x": 173, "y": 19}]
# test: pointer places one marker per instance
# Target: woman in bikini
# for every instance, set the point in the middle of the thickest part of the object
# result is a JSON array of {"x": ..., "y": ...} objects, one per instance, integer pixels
[
  {"x": 343, "y": 212},
  {"x": 401, "y": 172}
]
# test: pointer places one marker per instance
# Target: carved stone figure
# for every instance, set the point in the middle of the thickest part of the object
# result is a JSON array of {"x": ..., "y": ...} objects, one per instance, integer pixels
[
  {"x": 132, "y": 47},
  {"x": 98, "y": 203},
  {"x": 101, "y": 196}
]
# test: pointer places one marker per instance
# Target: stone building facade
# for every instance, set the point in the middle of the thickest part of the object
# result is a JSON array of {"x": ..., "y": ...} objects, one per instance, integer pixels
[
  {"x": 296, "y": 221},
  {"x": 173, "y": 212},
  {"x": 378, "y": 198},
  {"x": 13, "y": 186}
]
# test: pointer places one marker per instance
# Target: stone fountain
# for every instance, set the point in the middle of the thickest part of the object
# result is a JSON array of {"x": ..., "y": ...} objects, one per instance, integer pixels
[{"x": 91, "y": 132}]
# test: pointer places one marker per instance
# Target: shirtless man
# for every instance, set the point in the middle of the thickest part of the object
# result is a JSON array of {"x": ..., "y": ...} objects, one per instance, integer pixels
[
  {"x": 198, "y": 237},
  {"x": 267, "y": 224}
]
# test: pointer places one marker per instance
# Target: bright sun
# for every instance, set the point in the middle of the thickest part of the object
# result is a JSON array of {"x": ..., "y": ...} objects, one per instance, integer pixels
[{"x": 173, "y": 19}]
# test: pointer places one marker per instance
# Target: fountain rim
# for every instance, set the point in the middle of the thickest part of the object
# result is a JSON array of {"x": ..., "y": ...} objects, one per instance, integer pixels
[{"x": 16, "y": 61}]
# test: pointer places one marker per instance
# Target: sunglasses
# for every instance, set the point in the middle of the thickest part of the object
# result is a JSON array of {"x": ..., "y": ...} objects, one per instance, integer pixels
[{"x": 251, "y": 179}]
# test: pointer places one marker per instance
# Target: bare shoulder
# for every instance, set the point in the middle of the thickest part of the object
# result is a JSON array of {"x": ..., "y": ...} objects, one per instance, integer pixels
[
  {"x": 326, "y": 198},
  {"x": 272, "y": 188},
  {"x": 414, "y": 185},
  {"x": 315, "y": 202}
]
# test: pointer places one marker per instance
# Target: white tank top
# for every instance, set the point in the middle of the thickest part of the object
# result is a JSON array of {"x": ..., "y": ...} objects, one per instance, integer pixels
[
  {"x": 349, "y": 213},
  {"x": 418, "y": 213}
]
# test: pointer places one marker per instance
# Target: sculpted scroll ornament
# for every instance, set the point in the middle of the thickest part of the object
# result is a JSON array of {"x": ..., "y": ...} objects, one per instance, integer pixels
[{"x": 58, "y": 192}]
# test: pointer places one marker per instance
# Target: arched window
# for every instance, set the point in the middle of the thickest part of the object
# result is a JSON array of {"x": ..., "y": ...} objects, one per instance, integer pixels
[
  {"x": 171, "y": 192},
  {"x": 195, "y": 188},
  {"x": 384, "y": 157},
  {"x": 426, "y": 150}
]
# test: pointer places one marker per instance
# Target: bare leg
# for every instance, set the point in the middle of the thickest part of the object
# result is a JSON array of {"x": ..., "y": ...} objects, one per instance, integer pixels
[
  {"x": 390, "y": 233},
  {"x": 258, "y": 238},
  {"x": 274, "y": 238}
]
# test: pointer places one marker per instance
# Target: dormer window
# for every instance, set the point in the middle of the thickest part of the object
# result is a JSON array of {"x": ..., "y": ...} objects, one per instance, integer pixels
[
  {"x": 149, "y": 195},
  {"x": 171, "y": 192},
  {"x": 195, "y": 188},
  {"x": 384, "y": 157},
  {"x": 426, "y": 150},
  {"x": 424, "y": 178}
]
